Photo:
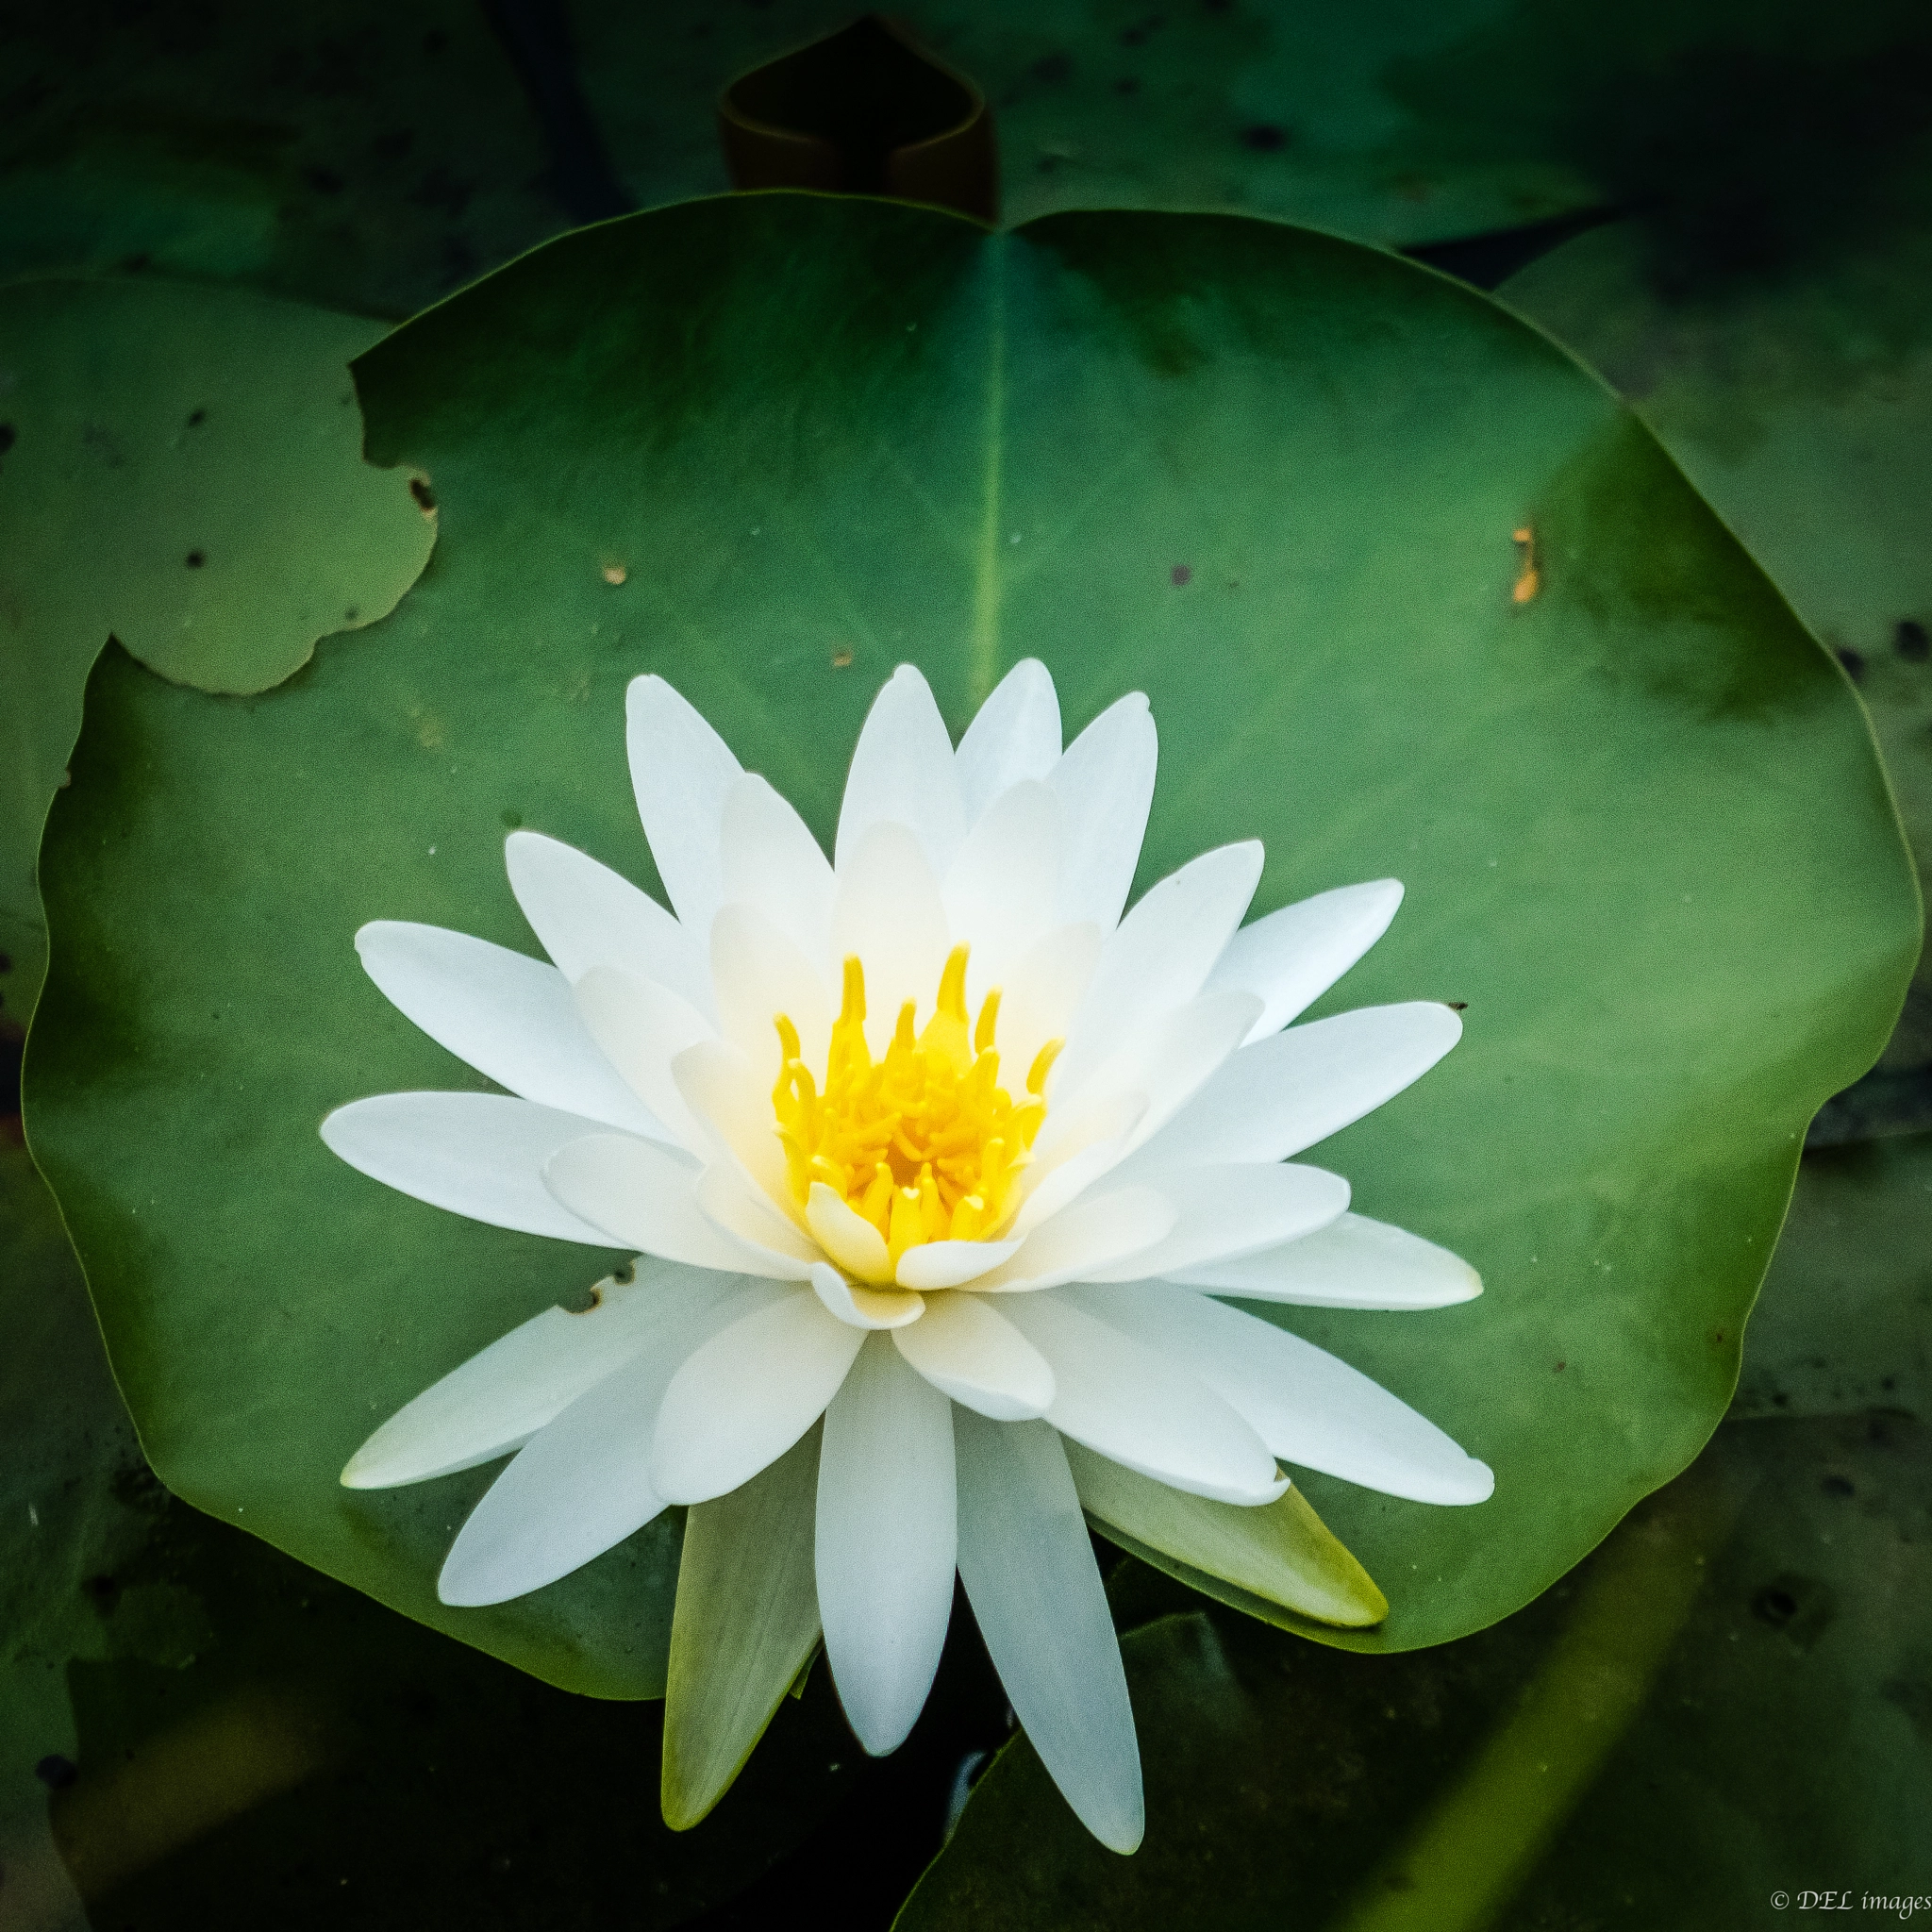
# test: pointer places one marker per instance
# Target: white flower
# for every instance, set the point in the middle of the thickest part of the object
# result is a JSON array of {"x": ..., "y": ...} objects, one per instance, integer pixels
[{"x": 928, "y": 1141}]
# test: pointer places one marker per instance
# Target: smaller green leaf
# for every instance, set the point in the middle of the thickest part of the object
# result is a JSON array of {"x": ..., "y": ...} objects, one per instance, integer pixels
[
  {"x": 181, "y": 468},
  {"x": 746, "y": 1627},
  {"x": 1283, "y": 1555}
]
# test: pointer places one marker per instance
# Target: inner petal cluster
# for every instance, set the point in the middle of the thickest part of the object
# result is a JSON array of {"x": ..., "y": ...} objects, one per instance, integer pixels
[{"x": 925, "y": 1143}]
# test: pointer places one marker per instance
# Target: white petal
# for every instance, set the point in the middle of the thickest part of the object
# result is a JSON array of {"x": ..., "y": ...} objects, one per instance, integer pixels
[
  {"x": 1097, "y": 1232},
  {"x": 949, "y": 1264},
  {"x": 999, "y": 895},
  {"x": 511, "y": 1016},
  {"x": 582, "y": 1484},
  {"x": 1284, "y": 1093},
  {"x": 1226, "y": 1211},
  {"x": 886, "y": 1542},
  {"x": 1352, "y": 1263},
  {"x": 648, "y": 1199},
  {"x": 746, "y": 1214},
  {"x": 889, "y": 912},
  {"x": 1167, "y": 1063},
  {"x": 1292, "y": 958},
  {"x": 480, "y": 1155},
  {"x": 1014, "y": 736},
  {"x": 1161, "y": 954},
  {"x": 681, "y": 770},
  {"x": 902, "y": 772},
  {"x": 747, "y": 1395},
  {"x": 1092, "y": 1148},
  {"x": 848, "y": 1237},
  {"x": 1106, "y": 785},
  {"x": 505, "y": 1392},
  {"x": 969, "y": 1351},
  {"x": 640, "y": 1026},
  {"x": 864, "y": 1308},
  {"x": 1042, "y": 995},
  {"x": 1310, "y": 1409},
  {"x": 1036, "y": 1591},
  {"x": 771, "y": 861},
  {"x": 1142, "y": 1408},
  {"x": 729, "y": 1102},
  {"x": 587, "y": 915},
  {"x": 757, "y": 974}
]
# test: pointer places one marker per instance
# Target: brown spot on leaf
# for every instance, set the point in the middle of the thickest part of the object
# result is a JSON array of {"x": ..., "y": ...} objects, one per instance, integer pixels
[{"x": 1528, "y": 577}]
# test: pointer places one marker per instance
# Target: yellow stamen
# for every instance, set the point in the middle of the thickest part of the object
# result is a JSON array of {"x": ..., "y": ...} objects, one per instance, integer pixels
[
  {"x": 924, "y": 1144},
  {"x": 1042, "y": 1066},
  {"x": 988, "y": 1018}
]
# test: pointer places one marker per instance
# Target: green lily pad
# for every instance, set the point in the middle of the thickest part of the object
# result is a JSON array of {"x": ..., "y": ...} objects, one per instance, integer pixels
[
  {"x": 181, "y": 468},
  {"x": 1730, "y": 1699},
  {"x": 1845, "y": 1319},
  {"x": 1268, "y": 476}
]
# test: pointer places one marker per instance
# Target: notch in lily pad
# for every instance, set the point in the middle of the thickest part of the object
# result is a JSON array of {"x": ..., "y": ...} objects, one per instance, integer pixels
[{"x": 865, "y": 110}]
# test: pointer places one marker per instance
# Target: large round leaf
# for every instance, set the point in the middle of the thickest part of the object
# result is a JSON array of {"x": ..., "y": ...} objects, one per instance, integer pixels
[{"x": 767, "y": 447}]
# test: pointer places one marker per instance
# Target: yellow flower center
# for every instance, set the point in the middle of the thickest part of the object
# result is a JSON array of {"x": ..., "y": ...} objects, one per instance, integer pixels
[{"x": 925, "y": 1143}]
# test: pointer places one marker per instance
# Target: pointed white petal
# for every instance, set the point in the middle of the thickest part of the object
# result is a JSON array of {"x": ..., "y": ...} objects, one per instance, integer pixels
[
  {"x": 681, "y": 770},
  {"x": 1097, "y": 1232},
  {"x": 1226, "y": 1211},
  {"x": 950, "y": 1264},
  {"x": 861, "y": 1306},
  {"x": 747, "y": 1395},
  {"x": 587, "y": 915},
  {"x": 1352, "y": 1263},
  {"x": 890, "y": 913},
  {"x": 647, "y": 1198},
  {"x": 511, "y": 1016},
  {"x": 999, "y": 895},
  {"x": 1034, "y": 1586},
  {"x": 582, "y": 1484},
  {"x": 734, "y": 1110},
  {"x": 1014, "y": 736},
  {"x": 1167, "y": 1061},
  {"x": 902, "y": 772},
  {"x": 1161, "y": 954},
  {"x": 1308, "y": 1408},
  {"x": 886, "y": 1541},
  {"x": 1042, "y": 995},
  {"x": 1106, "y": 785},
  {"x": 771, "y": 861},
  {"x": 757, "y": 974},
  {"x": 505, "y": 1392},
  {"x": 1146, "y": 1409},
  {"x": 969, "y": 1351},
  {"x": 1292, "y": 958},
  {"x": 478, "y": 1155},
  {"x": 1284, "y": 1093},
  {"x": 640, "y": 1026},
  {"x": 848, "y": 1237},
  {"x": 1092, "y": 1146}
]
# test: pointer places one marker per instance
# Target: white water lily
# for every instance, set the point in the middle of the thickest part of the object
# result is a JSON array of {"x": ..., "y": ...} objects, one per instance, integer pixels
[{"x": 927, "y": 1141}]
